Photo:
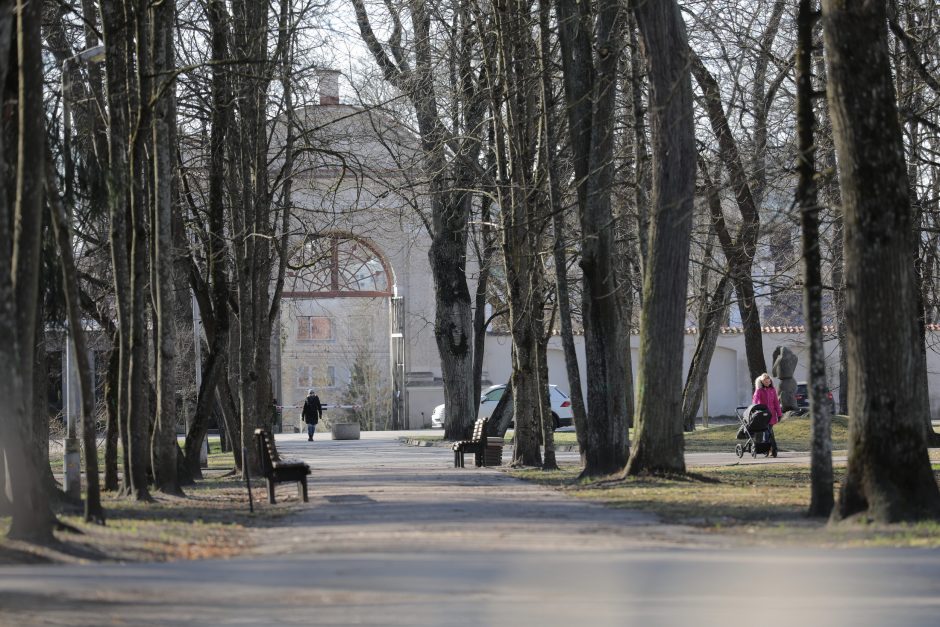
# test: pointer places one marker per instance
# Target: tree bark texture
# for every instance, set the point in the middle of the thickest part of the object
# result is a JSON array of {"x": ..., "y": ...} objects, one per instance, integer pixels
[
  {"x": 252, "y": 217},
  {"x": 19, "y": 273},
  {"x": 513, "y": 102},
  {"x": 139, "y": 178},
  {"x": 450, "y": 203},
  {"x": 115, "y": 28},
  {"x": 556, "y": 209},
  {"x": 821, "y": 479},
  {"x": 708, "y": 330},
  {"x": 164, "y": 444},
  {"x": 590, "y": 78},
  {"x": 889, "y": 477},
  {"x": 659, "y": 435}
]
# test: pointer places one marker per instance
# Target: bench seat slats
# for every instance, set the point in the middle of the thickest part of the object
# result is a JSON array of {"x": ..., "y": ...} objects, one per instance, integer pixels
[
  {"x": 277, "y": 470},
  {"x": 477, "y": 445}
]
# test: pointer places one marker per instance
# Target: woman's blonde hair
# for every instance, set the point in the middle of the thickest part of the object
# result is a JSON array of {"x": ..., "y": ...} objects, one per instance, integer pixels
[{"x": 757, "y": 381}]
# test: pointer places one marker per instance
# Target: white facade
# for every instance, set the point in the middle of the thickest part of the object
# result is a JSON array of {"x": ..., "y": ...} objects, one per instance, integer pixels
[
  {"x": 335, "y": 312},
  {"x": 729, "y": 383}
]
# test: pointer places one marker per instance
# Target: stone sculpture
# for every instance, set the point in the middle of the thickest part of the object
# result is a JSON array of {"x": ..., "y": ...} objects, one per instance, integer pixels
[{"x": 783, "y": 369}]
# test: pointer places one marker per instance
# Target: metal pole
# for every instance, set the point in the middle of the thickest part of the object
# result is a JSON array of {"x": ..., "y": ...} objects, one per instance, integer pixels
[
  {"x": 72, "y": 461},
  {"x": 73, "y": 455}
]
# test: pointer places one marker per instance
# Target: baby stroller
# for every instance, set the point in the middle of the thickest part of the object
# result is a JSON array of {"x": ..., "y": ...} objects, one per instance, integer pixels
[{"x": 756, "y": 429}]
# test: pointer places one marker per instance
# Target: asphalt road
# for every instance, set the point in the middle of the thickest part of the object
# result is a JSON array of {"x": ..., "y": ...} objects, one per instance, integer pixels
[{"x": 395, "y": 536}]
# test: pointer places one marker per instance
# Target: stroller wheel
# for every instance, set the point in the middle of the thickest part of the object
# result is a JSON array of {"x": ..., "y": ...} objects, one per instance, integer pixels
[{"x": 739, "y": 450}]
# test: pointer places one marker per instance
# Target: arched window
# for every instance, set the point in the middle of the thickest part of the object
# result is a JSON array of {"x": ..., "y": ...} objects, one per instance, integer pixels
[{"x": 335, "y": 265}]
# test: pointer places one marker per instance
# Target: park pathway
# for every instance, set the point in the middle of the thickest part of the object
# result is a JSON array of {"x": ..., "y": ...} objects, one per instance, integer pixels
[{"x": 394, "y": 536}]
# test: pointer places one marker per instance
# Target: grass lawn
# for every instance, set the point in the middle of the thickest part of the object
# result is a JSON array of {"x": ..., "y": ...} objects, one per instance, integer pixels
[
  {"x": 211, "y": 521},
  {"x": 217, "y": 459},
  {"x": 758, "y": 502},
  {"x": 792, "y": 434}
]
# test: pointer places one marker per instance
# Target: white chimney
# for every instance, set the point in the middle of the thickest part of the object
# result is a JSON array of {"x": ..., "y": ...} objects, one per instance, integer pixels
[{"x": 329, "y": 87}]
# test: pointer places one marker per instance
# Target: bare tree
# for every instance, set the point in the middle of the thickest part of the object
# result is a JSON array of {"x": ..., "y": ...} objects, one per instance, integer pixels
[
  {"x": 658, "y": 441},
  {"x": 449, "y": 165},
  {"x": 165, "y": 203},
  {"x": 510, "y": 52},
  {"x": 821, "y": 500},
  {"x": 590, "y": 77},
  {"x": 61, "y": 222},
  {"x": 889, "y": 477},
  {"x": 19, "y": 262},
  {"x": 550, "y": 158}
]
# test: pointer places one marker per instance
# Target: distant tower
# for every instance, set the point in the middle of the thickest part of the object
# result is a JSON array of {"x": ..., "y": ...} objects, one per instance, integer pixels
[{"x": 328, "y": 87}]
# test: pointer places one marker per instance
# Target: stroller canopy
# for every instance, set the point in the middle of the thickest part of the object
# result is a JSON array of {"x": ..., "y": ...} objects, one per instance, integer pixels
[{"x": 757, "y": 418}]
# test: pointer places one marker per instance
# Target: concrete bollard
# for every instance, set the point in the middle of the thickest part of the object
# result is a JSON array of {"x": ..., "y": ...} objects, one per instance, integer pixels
[{"x": 345, "y": 430}]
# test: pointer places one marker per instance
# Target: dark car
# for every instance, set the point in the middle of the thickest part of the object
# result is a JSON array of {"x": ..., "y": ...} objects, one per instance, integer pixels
[{"x": 802, "y": 397}]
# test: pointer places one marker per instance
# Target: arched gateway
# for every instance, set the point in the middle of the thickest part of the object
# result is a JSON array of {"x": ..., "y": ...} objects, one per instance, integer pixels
[{"x": 342, "y": 322}]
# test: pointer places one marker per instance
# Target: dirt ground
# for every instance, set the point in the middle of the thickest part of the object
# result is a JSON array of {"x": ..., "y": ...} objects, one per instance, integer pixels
[{"x": 424, "y": 503}]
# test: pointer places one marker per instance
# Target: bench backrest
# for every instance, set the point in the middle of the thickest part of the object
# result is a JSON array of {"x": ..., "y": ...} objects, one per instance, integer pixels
[
  {"x": 479, "y": 430},
  {"x": 267, "y": 451}
]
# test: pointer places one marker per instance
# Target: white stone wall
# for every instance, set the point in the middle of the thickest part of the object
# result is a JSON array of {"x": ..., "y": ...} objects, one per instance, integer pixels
[{"x": 729, "y": 383}]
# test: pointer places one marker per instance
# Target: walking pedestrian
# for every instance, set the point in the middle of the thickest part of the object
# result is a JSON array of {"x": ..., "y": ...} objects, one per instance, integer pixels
[
  {"x": 766, "y": 394},
  {"x": 311, "y": 413}
]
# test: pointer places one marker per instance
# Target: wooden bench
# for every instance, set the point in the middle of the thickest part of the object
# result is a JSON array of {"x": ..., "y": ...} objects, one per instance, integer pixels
[
  {"x": 277, "y": 470},
  {"x": 478, "y": 445}
]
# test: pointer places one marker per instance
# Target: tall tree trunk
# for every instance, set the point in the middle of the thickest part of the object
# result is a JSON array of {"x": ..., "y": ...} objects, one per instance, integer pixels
[
  {"x": 821, "y": 500},
  {"x": 251, "y": 217},
  {"x": 512, "y": 102},
  {"x": 19, "y": 273},
  {"x": 485, "y": 255},
  {"x": 659, "y": 435},
  {"x": 163, "y": 61},
  {"x": 709, "y": 327},
  {"x": 556, "y": 209},
  {"x": 547, "y": 421},
  {"x": 116, "y": 40},
  {"x": 450, "y": 205},
  {"x": 909, "y": 73},
  {"x": 590, "y": 78},
  {"x": 889, "y": 477},
  {"x": 113, "y": 429},
  {"x": 140, "y": 114},
  {"x": 61, "y": 222}
]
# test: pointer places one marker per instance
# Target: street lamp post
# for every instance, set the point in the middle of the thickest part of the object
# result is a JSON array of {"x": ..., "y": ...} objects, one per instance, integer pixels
[{"x": 73, "y": 455}]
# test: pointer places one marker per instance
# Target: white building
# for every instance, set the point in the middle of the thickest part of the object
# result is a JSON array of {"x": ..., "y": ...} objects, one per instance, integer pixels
[{"x": 359, "y": 292}]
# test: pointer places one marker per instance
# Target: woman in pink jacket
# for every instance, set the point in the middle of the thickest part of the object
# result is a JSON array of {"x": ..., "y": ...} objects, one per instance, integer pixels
[{"x": 766, "y": 394}]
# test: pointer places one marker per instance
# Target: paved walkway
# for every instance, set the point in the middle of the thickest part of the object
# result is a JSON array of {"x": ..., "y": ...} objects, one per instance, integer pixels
[{"x": 395, "y": 536}]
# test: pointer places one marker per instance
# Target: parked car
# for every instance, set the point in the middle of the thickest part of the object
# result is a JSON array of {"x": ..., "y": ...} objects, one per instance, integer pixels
[
  {"x": 802, "y": 397},
  {"x": 437, "y": 417},
  {"x": 562, "y": 415},
  {"x": 561, "y": 407}
]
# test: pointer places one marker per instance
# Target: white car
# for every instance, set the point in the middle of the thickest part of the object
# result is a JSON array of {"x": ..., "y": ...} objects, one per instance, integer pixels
[
  {"x": 437, "y": 417},
  {"x": 561, "y": 404},
  {"x": 561, "y": 407}
]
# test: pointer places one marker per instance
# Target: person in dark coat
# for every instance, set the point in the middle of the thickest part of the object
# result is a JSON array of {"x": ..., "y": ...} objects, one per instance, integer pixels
[{"x": 311, "y": 413}]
